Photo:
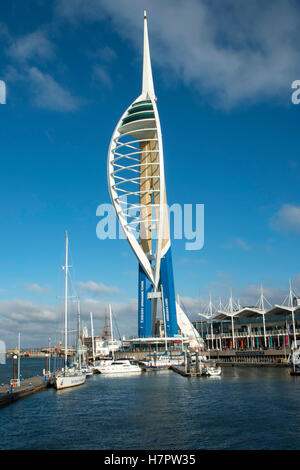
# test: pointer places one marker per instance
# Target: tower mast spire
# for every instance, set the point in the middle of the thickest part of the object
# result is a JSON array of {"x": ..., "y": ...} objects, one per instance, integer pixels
[{"x": 148, "y": 87}]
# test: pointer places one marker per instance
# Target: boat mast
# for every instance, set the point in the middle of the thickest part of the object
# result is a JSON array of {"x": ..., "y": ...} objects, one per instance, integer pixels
[
  {"x": 66, "y": 302},
  {"x": 19, "y": 354},
  {"x": 210, "y": 306},
  {"x": 79, "y": 349},
  {"x": 231, "y": 314},
  {"x": 291, "y": 301},
  {"x": 92, "y": 333},
  {"x": 111, "y": 332},
  {"x": 106, "y": 334},
  {"x": 262, "y": 307}
]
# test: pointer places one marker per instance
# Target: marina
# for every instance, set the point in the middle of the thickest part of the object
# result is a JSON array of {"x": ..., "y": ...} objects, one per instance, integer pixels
[
  {"x": 192, "y": 412},
  {"x": 187, "y": 365},
  {"x": 178, "y": 372}
]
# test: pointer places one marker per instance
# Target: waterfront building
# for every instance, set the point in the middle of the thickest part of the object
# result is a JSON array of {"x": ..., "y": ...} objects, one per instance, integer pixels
[{"x": 253, "y": 327}]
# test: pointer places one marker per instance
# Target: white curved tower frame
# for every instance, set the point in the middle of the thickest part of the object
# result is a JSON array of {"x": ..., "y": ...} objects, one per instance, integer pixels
[{"x": 136, "y": 176}]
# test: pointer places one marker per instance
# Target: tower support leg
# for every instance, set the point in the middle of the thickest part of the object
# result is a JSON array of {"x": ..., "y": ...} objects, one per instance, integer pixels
[
  {"x": 144, "y": 305},
  {"x": 167, "y": 282}
]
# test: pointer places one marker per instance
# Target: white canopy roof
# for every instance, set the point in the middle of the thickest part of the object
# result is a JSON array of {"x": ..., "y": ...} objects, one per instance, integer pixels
[
  {"x": 249, "y": 312},
  {"x": 282, "y": 310}
]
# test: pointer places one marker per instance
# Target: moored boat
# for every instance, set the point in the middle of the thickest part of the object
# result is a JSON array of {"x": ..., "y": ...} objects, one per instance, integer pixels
[
  {"x": 120, "y": 366},
  {"x": 67, "y": 377},
  {"x": 213, "y": 371},
  {"x": 101, "y": 364}
]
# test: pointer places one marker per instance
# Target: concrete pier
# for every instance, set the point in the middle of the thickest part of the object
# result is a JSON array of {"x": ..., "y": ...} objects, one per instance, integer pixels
[{"x": 27, "y": 387}]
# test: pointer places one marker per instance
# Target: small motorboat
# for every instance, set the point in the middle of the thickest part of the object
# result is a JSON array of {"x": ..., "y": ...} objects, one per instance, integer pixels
[
  {"x": 213, "y": 371},
  {"x": 87, "y": 370}
]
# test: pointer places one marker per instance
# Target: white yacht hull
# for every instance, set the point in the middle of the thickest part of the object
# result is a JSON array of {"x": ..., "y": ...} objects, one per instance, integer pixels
[
  {"x": 101, "y": 364},
  {"x": 119, "y": 370},
  {"x": 68, "y": 381},
  {"x": 213, "y": 371}
]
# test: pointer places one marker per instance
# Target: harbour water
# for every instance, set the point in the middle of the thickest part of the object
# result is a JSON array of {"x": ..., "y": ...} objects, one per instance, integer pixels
[
  {"x": 245, "y": 408},
  {"x": 29, "y": 367}
]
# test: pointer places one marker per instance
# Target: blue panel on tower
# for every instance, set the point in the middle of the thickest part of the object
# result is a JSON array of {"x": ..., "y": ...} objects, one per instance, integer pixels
[
  {"x": 144, "y": 306},
  {"x": 167, "y": 282}
]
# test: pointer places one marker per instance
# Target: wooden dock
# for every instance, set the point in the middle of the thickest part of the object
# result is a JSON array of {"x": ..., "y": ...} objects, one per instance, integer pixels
[
  {"x": 182, "y": 371},
  {"x": 27, "y": 387}
]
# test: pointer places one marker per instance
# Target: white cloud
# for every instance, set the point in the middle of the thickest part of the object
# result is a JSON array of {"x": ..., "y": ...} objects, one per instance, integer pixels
[
  {"x": 101, "y": 74},
  {"x": 287, "y": 219},
  {"x": 237, "y": 242},
  {"x": 106, "y": 53},
  {"x": 47, "y": 93},
  {"x": 35, "y": 322},
  {"x": 97, "y": 288},
  {"x": 26, "y": 53},
  {"x": 38, "y": 321},
  {"x": 234, "y": 52},
  {"x": 250, "y": 294},
  {"x": 36, "y": 288},
  {"x": 242, "y": 244},
  {"x": 31, "y": 47}
]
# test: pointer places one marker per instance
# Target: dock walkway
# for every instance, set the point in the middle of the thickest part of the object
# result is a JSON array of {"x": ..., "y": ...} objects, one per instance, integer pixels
[
  {"x": 182, "y": 371},
  {"x": 27, "y": 387}
]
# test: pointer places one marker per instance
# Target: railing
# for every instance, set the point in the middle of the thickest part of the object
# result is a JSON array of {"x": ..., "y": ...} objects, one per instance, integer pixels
[{"x": 245, "y": 334}]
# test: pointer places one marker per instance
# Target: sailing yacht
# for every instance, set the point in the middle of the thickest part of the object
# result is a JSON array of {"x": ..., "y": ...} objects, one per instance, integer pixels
[{"x": 68, "y": 376}]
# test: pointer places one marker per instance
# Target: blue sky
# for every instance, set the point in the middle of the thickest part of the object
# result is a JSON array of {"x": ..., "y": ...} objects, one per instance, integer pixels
[{"x": 231, "y": 142}]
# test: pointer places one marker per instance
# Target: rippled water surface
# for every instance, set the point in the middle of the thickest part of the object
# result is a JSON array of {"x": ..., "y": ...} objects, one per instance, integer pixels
[{"x": 245, "y": 408}]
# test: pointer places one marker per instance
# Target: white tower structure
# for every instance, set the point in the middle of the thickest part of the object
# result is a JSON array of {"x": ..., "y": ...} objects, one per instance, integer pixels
[{"x": 137, "y": 188}]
